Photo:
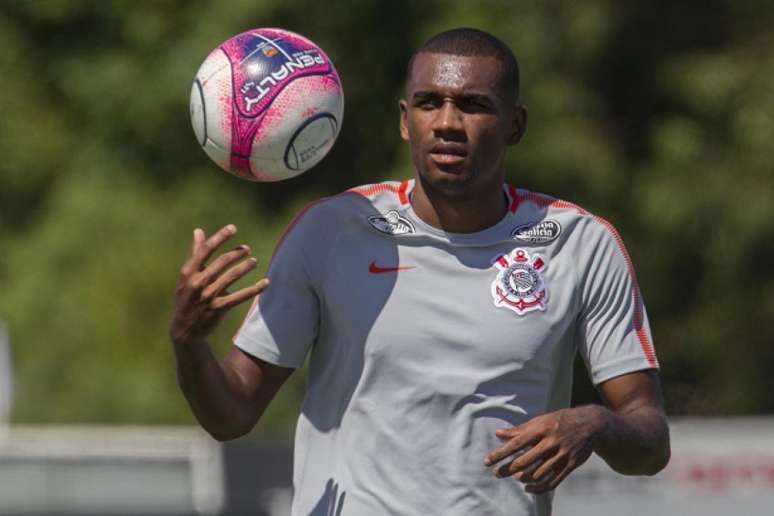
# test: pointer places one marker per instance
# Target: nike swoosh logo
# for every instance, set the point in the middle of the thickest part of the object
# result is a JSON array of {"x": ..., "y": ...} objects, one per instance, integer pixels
[{"x": 375, "y": 269}]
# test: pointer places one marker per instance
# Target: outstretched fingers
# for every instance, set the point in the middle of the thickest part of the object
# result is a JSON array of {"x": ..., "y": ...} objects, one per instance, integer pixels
[
  {"x": 206, "y": 285},
  {"x": 202, "y": 249},
  {"x": 213, "y": 289},
  {"x": 228, "y": 301},
  {"x": 223, "y": 262},
  {"x": 202, "y": 295},
  {"x": 198, "y": 239}
]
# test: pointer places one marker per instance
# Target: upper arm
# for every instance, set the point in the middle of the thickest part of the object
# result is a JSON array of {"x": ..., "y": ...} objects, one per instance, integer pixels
[
  {"x": 256, "y": 380},
  {"x": 632, "y": 391},
  {"x": 613, "y": 333}
]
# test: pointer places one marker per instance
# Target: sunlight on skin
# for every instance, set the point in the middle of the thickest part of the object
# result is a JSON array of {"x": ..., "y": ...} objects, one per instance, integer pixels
[{"x": 451, "y": 72}]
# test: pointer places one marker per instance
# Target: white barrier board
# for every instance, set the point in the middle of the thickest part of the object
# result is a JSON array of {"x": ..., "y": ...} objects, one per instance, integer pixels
[
  {"x": 719, "y": 467},
  {"x": 109, "y": 470}
]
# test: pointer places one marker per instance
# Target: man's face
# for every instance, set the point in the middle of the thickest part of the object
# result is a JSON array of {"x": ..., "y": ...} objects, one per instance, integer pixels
[{"x": 458, "y": 122}]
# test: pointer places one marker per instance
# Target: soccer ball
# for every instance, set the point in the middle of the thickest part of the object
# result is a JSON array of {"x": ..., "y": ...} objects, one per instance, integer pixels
[{"x": 267, "y": 105}]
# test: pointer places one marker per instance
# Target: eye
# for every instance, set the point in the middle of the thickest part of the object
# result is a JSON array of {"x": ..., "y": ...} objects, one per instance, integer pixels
[
  {"x": 426, "y": 102},
  {"x": 475, "y": 105}
]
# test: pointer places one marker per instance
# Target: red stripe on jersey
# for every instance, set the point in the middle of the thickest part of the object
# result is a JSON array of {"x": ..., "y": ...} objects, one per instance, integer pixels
[
  {"x": 370, "y": 190},
  {"x": 402, "y": 192},
  {"x": 642, "y": 335},
  {"x": 514, "y": 199},
  {"x": 545, "y": 200}
]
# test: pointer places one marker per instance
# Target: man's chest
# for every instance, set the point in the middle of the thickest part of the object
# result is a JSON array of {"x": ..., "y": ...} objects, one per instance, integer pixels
[{"x": 452, "y": 307}]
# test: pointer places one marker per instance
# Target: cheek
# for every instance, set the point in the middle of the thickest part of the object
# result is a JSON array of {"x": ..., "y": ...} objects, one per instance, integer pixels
[
  {"x": 416, "y": 129},
  {"x": 490, "y": 148},
  {"x": 489, "y": 138}
]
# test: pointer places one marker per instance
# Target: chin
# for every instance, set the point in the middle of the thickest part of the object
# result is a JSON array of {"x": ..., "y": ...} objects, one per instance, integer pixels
[{"x": 451, "y": 182}]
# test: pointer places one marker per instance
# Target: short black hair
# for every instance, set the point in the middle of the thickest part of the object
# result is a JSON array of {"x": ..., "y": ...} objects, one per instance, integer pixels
[{"x": 466, "y": 41}]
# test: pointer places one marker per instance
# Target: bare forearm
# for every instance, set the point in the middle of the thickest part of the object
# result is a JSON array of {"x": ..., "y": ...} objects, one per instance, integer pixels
[
  {"x": 212, "y": 392},
  {"x": 635, "y": 442},
  {"x": 226, "y": 397}
]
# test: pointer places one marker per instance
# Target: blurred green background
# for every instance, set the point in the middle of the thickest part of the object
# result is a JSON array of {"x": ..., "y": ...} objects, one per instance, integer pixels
[{"x": 655, "y": 115}]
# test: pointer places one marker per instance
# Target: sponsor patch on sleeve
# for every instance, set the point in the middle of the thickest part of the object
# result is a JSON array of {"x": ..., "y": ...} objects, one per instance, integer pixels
[
  {"x": 537, "y": 232},
  {"x": 391, "y": 223}
]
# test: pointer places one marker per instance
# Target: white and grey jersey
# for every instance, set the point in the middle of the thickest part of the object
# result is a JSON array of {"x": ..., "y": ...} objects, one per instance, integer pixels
[{"x": 422, "y": 343}]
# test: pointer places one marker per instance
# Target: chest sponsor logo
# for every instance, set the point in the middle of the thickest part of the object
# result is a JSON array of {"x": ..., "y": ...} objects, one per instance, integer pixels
[
  {"x": 519, "y": 285},
  {"x": 392, "y": 223},
  {"x": 537, "y": 233}
]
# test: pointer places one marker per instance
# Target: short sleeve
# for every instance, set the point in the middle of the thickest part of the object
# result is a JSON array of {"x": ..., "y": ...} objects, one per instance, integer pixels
[
  {"x": 613, "y": 332},
  {"x": 283, "y": 323}
]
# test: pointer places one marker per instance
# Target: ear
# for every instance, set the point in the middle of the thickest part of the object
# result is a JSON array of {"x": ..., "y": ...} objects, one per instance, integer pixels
[
  {"x": 518, "y": 125},
  {"x": 404, "y": 133}
]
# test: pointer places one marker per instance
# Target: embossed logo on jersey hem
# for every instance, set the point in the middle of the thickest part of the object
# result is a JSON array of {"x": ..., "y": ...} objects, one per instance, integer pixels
[
  {"x": 376, "y": 269},
  {"x": 392, "y": 223},
  {"x": 519, "y": 285},
  {"x": 537, "y": 233}
]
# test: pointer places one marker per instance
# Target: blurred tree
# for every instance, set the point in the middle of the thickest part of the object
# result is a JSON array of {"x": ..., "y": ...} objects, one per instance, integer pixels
[{"x": 653, "y": 115}]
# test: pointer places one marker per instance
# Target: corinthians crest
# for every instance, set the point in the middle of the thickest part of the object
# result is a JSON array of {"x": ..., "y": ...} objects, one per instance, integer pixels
[{"x": 519, "y": 284}]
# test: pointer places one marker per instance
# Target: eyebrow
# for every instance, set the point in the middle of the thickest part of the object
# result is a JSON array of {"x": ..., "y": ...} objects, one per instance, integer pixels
[
  {"x": 424, "y": 94},
  {"x": 480, "y": 97},
  {"x": 473, "y": 96}
]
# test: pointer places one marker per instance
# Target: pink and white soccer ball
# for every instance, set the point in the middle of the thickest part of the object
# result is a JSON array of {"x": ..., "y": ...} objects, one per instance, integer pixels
[{"x": 267, "y": 105}]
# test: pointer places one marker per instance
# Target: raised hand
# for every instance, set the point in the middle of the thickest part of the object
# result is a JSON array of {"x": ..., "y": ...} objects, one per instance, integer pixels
[{"x": 202, "y": 296}]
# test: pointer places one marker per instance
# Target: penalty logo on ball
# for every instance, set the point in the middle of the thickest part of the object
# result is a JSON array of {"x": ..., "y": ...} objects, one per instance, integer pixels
[
  {"x": 519, "y": 285},
  {"x": 267, "y": 104},
  {"x": 264, "y": 66}
]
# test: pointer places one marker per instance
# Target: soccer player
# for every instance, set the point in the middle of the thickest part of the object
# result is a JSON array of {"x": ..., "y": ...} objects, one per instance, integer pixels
[{"x": 441, "y": 316}]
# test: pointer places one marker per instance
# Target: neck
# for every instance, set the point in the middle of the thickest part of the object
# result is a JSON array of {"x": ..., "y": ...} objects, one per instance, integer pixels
[{"x": 459, "y": 214}]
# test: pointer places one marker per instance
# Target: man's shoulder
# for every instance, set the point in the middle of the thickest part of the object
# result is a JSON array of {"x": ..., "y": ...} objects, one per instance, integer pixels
[
  {"x": 567, "y": 216},
  {"x": 364, "y": 198},
  {"x": 351, "y": 205},
  {"x": 385, "y": 195}
]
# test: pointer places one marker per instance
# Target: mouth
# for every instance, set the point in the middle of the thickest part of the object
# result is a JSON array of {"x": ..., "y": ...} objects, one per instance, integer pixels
[{"x": 448, "y": 153}]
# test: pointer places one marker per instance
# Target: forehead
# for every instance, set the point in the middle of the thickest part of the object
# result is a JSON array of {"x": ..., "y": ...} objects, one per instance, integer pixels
[{"x": 454, "y": 74}]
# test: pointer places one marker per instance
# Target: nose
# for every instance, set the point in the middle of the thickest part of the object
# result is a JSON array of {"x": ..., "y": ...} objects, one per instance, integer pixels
[{"x": 448, "y": 119}]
